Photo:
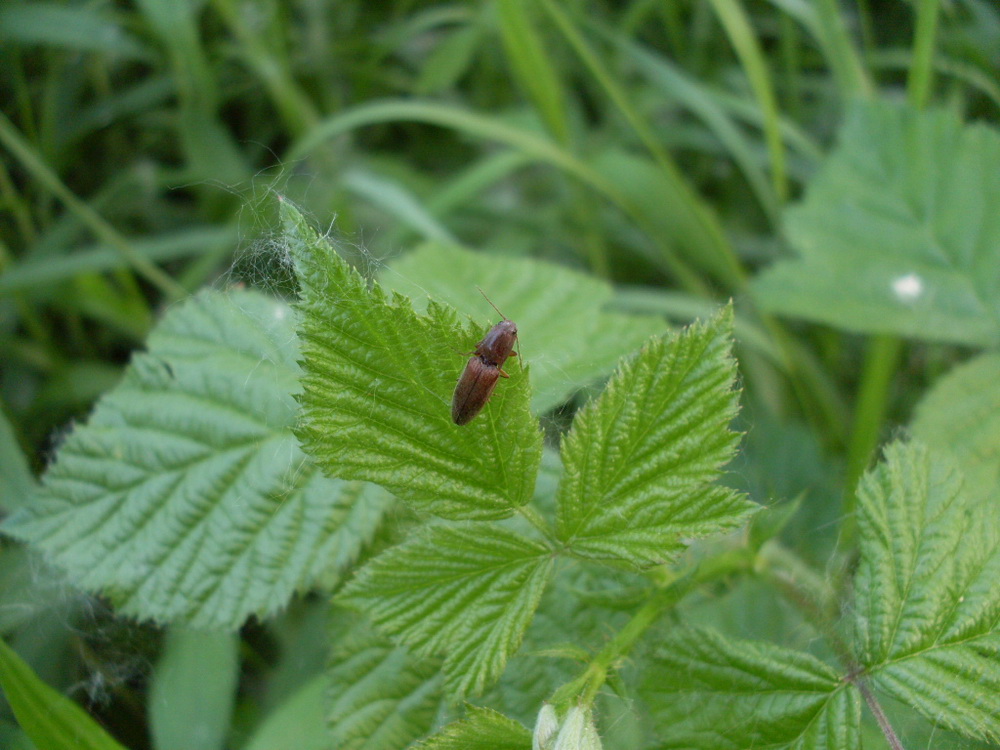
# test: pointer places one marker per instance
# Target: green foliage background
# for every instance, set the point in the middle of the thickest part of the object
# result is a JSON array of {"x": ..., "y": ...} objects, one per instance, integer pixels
[{"x": 183, "y": 459}]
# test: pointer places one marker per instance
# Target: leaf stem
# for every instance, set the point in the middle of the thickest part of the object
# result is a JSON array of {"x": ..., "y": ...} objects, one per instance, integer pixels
[
  {"x": 875, "y": 707},
  {"x": 880, "y": 364},
  {"x": 585, "y": 687},
  {"x": 918, "y": 85},
  {"x": 810, "y": 594}
]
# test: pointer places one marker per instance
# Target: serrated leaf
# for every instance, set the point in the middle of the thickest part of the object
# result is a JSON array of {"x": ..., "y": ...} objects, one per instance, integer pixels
[
  {"x": 16, "y": 481},
  {"x": 50, "y": 719},
  {"x": 481, "y": 728},
  {"x": 928, "y": 604},
  {"x": 382, "y": 697},
  {"x": 898, "y": 233},
  {"x": 638, "y": 460},
  {"x": 713, "y": 693},
  {"x": 466, "y": 592},
  {"x": 378, "y": 383},
  {"x": 961, "y": 414},
  {"x": 185, "y": 496},
  {"x": 564, "y": 332}
]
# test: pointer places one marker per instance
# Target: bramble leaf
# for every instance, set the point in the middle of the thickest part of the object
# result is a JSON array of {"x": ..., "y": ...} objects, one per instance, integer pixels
[
  {"x": 564, "y": 333},
  {"x": 466, "y": 592},
  {"x": 927, "y": 602},
  {"x": 378, "y": 383},
  {"x": 383, "y": 698},
  {"x": 961, "y": 414},
  {"x": 185, "y": 496},
  {"x": 638, "y": 460},
  {"x": 16, "y": 481},
  {"x": 899, "y": 232},
  {"x": 709, "y": 692},
  {"x": 480, "y": 728}
]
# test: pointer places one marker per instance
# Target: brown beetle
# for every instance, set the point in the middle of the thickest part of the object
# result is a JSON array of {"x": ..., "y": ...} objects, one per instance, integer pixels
[{"x": 484, "y": 369}]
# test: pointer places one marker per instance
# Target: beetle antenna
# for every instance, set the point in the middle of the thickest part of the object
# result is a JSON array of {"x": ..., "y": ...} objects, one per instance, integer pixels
[{"x": 491, "y": 303}]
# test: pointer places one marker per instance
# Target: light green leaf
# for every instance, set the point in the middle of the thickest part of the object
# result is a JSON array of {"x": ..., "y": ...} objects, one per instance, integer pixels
[
  {"x": 50, "y": 719},
  {"x": 466, "y": 592},
  {"x": 73, "y": 27},
  {"x": 382, "y": 697},
  {"x": 961, "y": 414},
  {"x": 299, "y": 722},
  {"x": 563, "y": 331},
  {"x": 185, "y": 496},
  {"x": 378, "y": 384},
  {"x": 928, "y": 604},
  {"x": 193, "y": 690},
  {"x": 638, "y": 460},
  {"x": 481, "y": 728},
  {"x": 708, "y": 692},
  {"x": 16, "y": 481},
  {"x": 898, "y": 232}
]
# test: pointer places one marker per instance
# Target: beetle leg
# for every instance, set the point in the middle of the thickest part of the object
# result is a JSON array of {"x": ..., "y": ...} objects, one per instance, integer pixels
[{"x": 502, "y": 373}]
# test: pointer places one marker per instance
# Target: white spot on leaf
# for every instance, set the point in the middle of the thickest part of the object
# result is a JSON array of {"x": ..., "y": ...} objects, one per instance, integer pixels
[{"x": 908, "y": 288}]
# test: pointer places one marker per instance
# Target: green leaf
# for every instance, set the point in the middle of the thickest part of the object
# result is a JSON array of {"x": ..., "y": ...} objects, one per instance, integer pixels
[
  {"x": 193, "y": 690},
  {"x": 709, "y": 692},
  {"x": 74, "y": 27},
  {"x": 466, "y": 592},
  {"x": 299, "y": 722},
  {"x": 481, "y": 728},
  {"x": 382, "y": 697},
  {"x": 928, "y": 604},
  {"x": 961, "y": 414},
  {"x": 898, "y": 232},
  {"x": 378, "y": 383},
  {"x": 563, "y": 332},
  {"x": 16, "y": 481},
  {"x": 638, "y": 460},
  {"x": 185, "y": 496},
  {"x": 51, "y": 720}
]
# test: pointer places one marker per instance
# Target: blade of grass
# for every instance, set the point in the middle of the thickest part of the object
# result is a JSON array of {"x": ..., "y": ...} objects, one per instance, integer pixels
[
  {"x": 695, "y": 96},
  {"x": 824, "y": 22},
  {"x": 532, "y": 67},
  {"x": 272, "y": 66},
  {"x": 734, "y": 20},
  {"x": 974, "y": 77},
  {"x": 42, "y": 273},
  {"x": 488, "y": 128},
  {"x": 39, "y": 170},
  {"x": 714, "y": 238},
  {"x": 918, "y": 85}
]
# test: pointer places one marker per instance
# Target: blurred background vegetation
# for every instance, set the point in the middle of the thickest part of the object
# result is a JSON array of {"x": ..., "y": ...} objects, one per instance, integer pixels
[{"x": 653, "y": 143}]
